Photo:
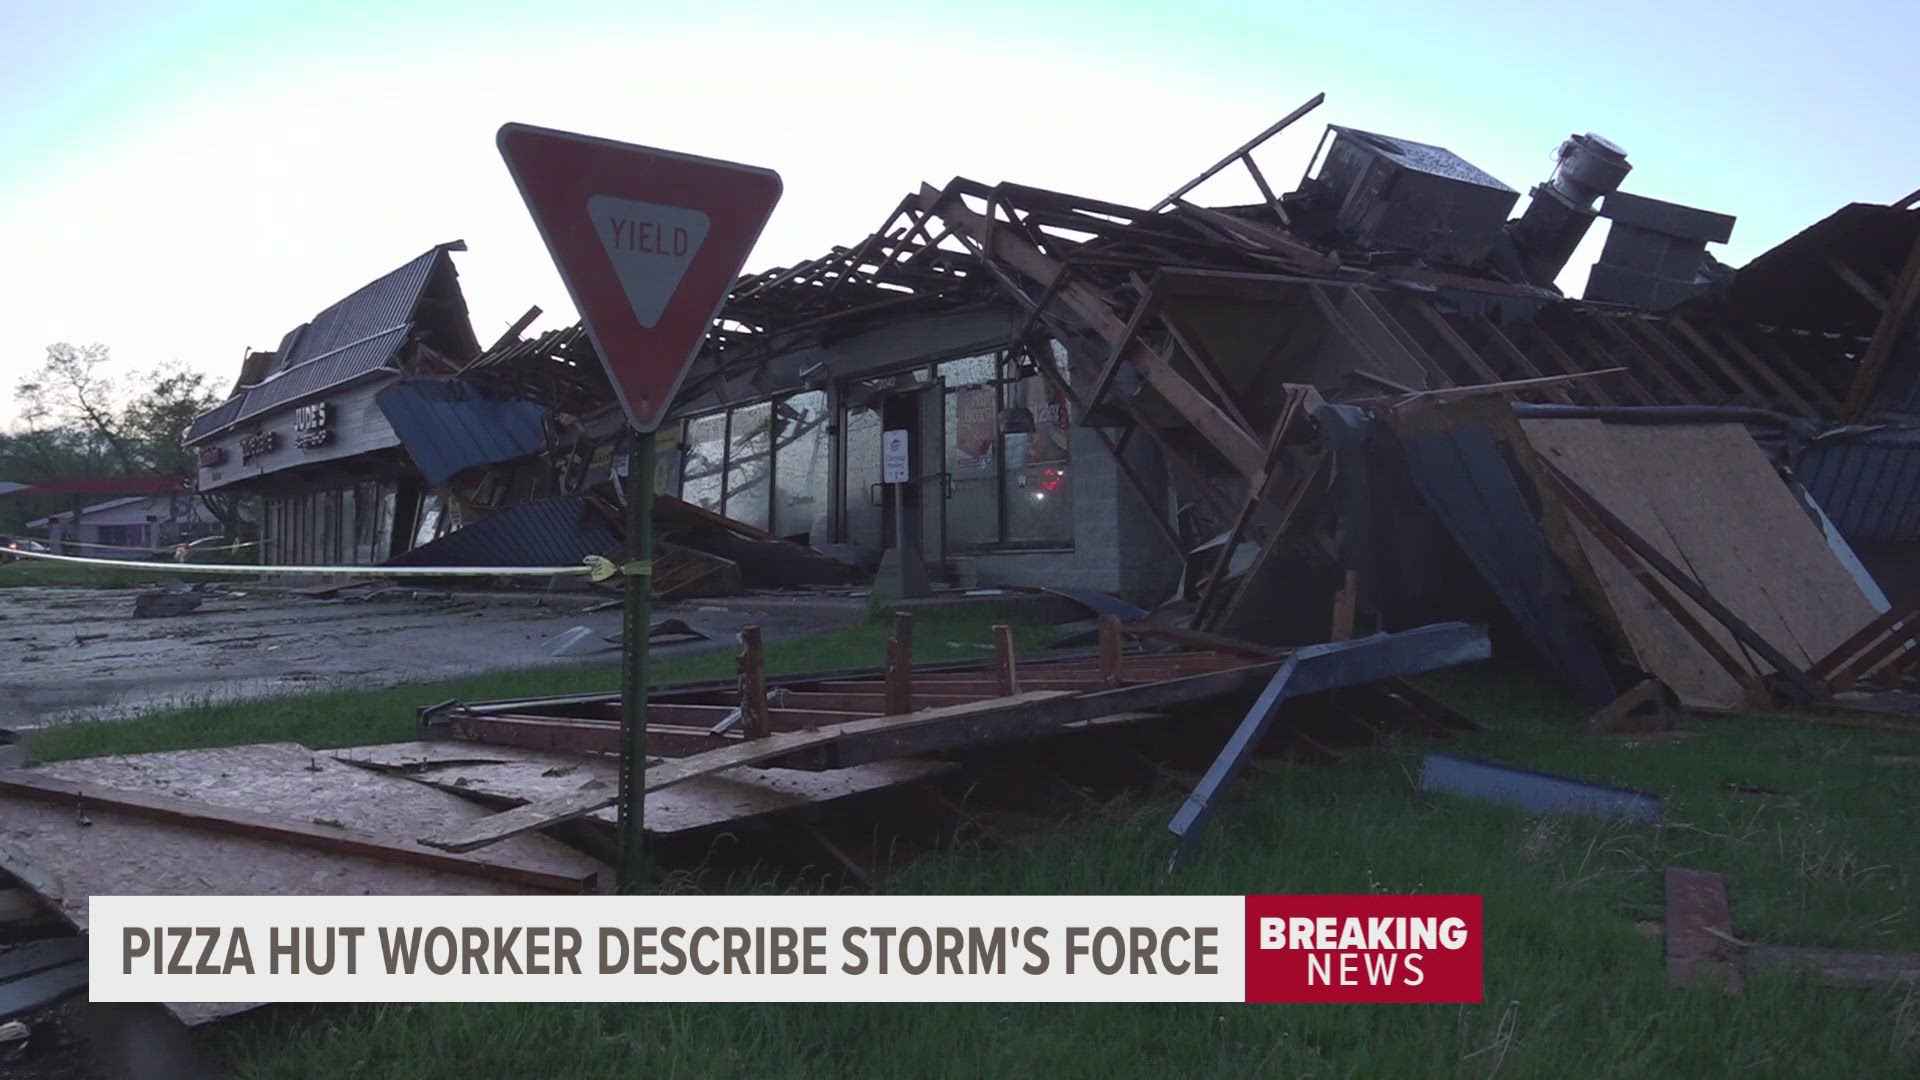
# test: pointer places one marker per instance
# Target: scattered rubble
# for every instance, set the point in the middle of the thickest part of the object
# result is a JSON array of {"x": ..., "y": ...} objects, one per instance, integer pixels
[{"x": 164, "y": 604}]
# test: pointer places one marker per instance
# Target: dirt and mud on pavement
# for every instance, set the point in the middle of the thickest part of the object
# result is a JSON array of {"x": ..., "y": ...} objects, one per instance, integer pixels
[{"x": 70, "y": 653}]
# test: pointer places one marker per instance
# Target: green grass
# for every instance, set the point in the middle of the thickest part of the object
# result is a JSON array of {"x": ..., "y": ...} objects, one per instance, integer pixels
[
  {"x": 1576, "y": 979},
  {"x": 21, "y": 572},
  {"x": 359, "y": 717}
]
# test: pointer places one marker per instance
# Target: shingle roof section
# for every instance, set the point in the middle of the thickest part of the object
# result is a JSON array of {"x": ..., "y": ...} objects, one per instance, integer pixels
[{"x": 355, "y": 337}]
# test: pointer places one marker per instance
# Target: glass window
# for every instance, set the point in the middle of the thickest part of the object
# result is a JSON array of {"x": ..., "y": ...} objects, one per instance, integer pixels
[
  {"x": 801, "y": 464},
  {"x": 973, "y": 456},
  {"x": 706, "y": 448},
  {"x": 749, "y": 464},
  {"x": 863, "y": 471},
  {"x": 667, "y": 451},
  {"x": 1039, "y": 479}
]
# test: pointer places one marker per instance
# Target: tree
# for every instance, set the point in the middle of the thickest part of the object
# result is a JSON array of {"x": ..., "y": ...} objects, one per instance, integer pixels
[
  {"x": 140, "y": 432},
  {"x": 69, "y": 391},
  {"x": 157, "y": 419}
]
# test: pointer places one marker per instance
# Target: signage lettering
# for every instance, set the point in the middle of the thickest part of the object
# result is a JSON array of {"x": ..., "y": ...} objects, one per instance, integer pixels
[
  {"x": 258, "y": 443},
  {"x": 650, "y": 236}
]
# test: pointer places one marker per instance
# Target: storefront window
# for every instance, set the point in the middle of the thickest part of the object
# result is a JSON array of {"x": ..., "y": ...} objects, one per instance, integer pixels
[
  {"x": 1008, "y": 486},
  {"x": 749, "y": 464},
  {"x": 1039, "y": 480},
  {"x": 863, "y": 471},
  {"x": 972, "y": 422},
  {"x": 801, "y": 457},
  {"x": 702, "y": 472}
]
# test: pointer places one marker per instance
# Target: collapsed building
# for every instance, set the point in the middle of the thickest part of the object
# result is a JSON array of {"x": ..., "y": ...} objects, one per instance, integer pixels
[
  {"x": 301, "y": 432},
  {"x": 1208, "y": 405}
]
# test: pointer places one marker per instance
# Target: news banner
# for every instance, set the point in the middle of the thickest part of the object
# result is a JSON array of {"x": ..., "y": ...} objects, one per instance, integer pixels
[{"x": 1360, "y": 948}]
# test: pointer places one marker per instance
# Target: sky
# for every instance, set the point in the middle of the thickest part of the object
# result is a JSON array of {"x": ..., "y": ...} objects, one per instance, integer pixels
[{"x": 182, "y": 181}]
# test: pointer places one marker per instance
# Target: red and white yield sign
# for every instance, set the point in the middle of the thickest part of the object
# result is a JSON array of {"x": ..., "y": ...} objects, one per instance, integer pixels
[{"x": 648, "y": 242}]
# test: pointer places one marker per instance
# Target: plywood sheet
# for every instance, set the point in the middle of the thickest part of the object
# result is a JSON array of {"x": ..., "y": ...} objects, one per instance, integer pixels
[
  {"x": 1709, "y": 500},
  {"x": 70, "y": 856},
  {"x": 539, "y": 776},
  {"x": 1582, "y": 449}
]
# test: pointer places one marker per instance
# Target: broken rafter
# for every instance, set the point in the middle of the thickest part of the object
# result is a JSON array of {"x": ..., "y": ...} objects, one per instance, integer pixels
[
  {"x": 1241, "y": 154},
  {"x": 1893, "y": 322},
  {"x": 1233, "y": 441}
]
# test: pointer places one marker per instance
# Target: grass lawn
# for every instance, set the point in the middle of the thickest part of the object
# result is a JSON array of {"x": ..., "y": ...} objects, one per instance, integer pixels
[
  {"x": 18, "y": 573},
  {"x": 1810, "y": 825},
  {"x": 359, "y": 717}
]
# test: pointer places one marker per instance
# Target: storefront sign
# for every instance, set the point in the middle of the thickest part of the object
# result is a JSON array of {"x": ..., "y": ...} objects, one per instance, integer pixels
[
  {"x": 258, "y": 443},
  {"x": 310, "y": 424}
]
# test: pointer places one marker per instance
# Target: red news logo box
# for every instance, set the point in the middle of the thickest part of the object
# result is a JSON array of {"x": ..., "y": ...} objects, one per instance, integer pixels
[{"x": 1372, "y": 948}]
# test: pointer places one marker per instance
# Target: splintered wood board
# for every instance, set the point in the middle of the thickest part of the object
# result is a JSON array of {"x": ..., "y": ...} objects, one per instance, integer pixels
[
  {"x": 69, "y": 856},
  {"x": 1708, "y": 499},
  {"x": 525, "y": 776}
]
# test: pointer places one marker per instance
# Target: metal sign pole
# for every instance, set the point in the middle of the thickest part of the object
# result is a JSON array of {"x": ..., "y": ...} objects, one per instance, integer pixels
[{"x": 633, "y": 669}]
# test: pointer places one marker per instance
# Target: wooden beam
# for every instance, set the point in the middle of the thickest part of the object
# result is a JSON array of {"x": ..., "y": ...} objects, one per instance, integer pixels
[
  {"x": 1467, "y": 353},
  {"x": 1570, "y": 366},
  {"x": 899, "y": 668},
  {"x": 1705, "y": 390},
  {"x": 1858, "y": 284},
  {"x": 1117, "y": 354},
  {"x": 753, "y": 684},
  {"x": 1669, "y": 601},
  {"x": 1475, "y": 363},
  {"x": 1256, "y": 494},
  {"x": 1110, "y": 648},
  {"x": 1453, "y": 393},
  {"x": 1232, "y": 441},
  {"x": 1699, "y": 930},
  {"x": 1005, "y": 666},
  {"x": 1844, "y": 654},
  {"x": 1204, "y": 640},
  {"x": 1886, "y": 333},
  {"x": 1246, "y": 148},
  {"x": 1345, "y": 603},
  {"x": 1742, "y": 391},
  {"x": 1276, "y": 532},
  {"x": 334, "y": 840},
  {"x": 1787, "y": 368},
  {"x": 541, "y": 815},
  {"x": 1592, "y": 510},
  {"x": 1514, "y": 354},
  {"x": 1787, "y": 397}
]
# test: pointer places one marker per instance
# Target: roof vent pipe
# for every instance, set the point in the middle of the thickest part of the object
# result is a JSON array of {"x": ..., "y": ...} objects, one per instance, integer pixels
[{"x": 1561, "y": 209}]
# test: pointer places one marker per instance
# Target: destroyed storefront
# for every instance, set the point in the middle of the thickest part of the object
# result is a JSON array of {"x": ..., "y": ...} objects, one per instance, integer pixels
[
  {"x": 303, "y": 433},
  {"x": 778, "y": 432}
]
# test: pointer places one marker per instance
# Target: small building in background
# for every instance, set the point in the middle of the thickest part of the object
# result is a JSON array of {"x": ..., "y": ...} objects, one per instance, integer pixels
[{"x": 132, "y": 527}]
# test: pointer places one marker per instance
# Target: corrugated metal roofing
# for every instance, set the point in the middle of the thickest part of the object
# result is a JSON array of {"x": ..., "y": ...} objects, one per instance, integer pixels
[
  {"x": 1869, "y": 485},
  {"x": 545, "y": 532},
  {"x": 353, "y": 338},
  {"x": 448, "y": 425}
]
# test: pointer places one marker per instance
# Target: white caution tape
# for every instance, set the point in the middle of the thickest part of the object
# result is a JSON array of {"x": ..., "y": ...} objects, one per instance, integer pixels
[
  {"x": 126, "y": 547},
  {"x": 594, "y": 565}
]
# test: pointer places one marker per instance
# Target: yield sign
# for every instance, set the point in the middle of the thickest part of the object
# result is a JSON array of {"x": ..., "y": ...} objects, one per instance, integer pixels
[{"x": 648, "y": 243}]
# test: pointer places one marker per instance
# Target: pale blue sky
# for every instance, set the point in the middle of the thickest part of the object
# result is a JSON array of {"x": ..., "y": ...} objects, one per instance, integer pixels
[{"x": 189, "y": 179}]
